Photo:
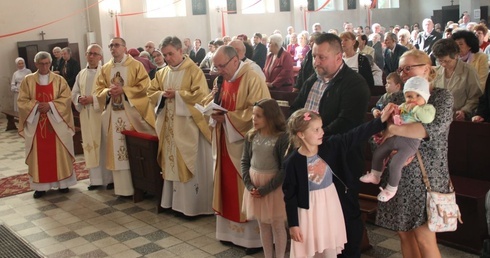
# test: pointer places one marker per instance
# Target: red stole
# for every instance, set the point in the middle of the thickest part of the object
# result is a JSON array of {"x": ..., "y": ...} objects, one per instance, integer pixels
[
  {"x": 231, "y": 200},
  {"x": 45, "y": 139}
]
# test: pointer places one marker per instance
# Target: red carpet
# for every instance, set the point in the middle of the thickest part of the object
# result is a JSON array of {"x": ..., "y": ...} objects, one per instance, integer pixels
[{"x": 20, "y": 184}]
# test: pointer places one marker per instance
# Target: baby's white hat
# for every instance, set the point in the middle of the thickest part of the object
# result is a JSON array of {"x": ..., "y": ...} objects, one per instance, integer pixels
[{"x": 419, "y": 85}]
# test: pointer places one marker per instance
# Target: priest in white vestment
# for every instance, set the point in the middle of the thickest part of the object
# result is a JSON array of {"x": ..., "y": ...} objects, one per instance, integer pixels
[
  {"x": 184, "y": 151},
  {"x": 90, "y": 120},
  {"x": 46, "y": 123},
  {"x": 121, "y": 92}
]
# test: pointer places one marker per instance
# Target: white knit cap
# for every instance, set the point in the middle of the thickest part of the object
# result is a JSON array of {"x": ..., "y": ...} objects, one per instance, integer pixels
[{"x": 419, "y": 85}]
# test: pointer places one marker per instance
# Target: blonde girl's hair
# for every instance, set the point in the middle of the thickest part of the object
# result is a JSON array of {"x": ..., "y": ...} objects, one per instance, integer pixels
[
  {"x": 299, "y": 122},
  {"x": 276, "y": 122},
  {"x": 422, "y": 58}
]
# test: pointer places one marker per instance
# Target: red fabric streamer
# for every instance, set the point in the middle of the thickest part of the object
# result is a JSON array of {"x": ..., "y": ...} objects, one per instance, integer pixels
[
  {"x": 138, "y": 13},
  {"x": 321, "y": 7},
  {"x": 51, "y": 22},
  {"x": 118, "y": 33},
  {"x": 252, "y": 5},
  {"x": 374, "y": 3},
  {"x": 223, "y": 29}
]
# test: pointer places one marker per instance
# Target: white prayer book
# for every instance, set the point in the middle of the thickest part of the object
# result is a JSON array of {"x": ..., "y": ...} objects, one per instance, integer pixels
[{"x": 209, "y": 108}]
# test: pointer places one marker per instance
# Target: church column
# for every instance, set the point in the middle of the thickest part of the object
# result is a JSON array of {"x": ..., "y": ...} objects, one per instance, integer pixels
[{"x": 470, "y": 6}]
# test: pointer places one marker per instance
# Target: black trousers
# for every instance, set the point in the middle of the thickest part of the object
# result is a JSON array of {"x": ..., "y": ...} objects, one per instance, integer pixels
[{"x": 353, "y": 223}]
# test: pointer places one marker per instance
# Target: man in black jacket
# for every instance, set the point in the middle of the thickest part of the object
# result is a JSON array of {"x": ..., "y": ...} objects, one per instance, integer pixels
[
  {"x": 69, "y": 67},
  {"x": 427, "y": 38},
  {"x": 341, "y": 96},
  {"x": 260, "y": 51}
]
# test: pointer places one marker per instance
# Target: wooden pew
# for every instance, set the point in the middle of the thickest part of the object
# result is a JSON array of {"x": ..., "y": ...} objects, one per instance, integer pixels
[
  {"x": 284, "y": 97},
  {"x": 145, "y": 171},
  {"x": 12, "y": 118},
  {"x": 468, "y": 157}
]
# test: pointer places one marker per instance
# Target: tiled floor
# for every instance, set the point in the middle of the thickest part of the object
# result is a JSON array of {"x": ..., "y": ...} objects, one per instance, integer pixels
[{"x": 98, "y": 224}]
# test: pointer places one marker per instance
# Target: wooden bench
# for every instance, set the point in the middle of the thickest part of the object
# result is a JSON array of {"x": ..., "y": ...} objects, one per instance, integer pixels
[
  {"x": 145, "y": 171},
  {"x": 12, "y": 118},
  {"x": 284, "y": 97},
  {"x": 368, "y": 204}
]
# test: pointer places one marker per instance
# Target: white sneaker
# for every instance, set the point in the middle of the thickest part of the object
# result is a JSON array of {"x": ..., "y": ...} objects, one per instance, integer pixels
[
  {"x": 385, "y": 195},
  {"x": 370, "y": 178}
]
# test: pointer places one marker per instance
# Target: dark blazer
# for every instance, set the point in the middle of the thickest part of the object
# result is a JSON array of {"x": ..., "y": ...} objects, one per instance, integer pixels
[
  {"x": 260, "y": 54},
  {"x": 483, "y": 109},
  {"x": 342, "y": 107},
  {"x": 378, "y": 55},
  {"x": 199, "y": 56},
  {"x": 391, "y": 60},
  {"x": 56, "y": 65},
  {"x": 305, "y": 71},
  {"x": 334, "y": 150},
  {"x": 280, "y": 73},
  {"x": 365, "y": 69},
  {"x": 425, "y": 43},
  {"x": 71, "y": 71}
]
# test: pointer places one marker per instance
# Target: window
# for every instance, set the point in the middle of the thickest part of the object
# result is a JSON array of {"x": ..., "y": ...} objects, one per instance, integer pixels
[
  {"x": 257, "y": 6},
  {"x": 384, "y": 4},
  {"x": 165, "y": 8},
  {"x": 333, "y": 5}
]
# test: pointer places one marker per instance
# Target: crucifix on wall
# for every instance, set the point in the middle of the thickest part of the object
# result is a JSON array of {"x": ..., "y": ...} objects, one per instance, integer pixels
[{"x": 42, "y": 34}]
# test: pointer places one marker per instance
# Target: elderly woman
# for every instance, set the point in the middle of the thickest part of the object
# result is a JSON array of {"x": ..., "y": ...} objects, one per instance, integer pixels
[
  {"x": 17, "y": 78},
  {"x": 469, "y": 48},
  {"x": 404, "y": 39},
  {"x": 291, "y": 47},
  {"x": 406, "y": 213},
  {"x": 358, "y": 62},
  {"x": 302, "y": 49},
  {"x": 458, "y": 77},
  {"x": 278, "y": 67},
  {"x": 481, "y": 31}
]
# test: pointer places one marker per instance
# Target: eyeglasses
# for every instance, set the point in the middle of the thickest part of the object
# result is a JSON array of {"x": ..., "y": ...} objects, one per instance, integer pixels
[
  {"x": 223, "y": 66},
  {"x": 446, "y": 61},
  {"x": 115, "y": 45},
  {"x": 92, "y": 54},
  {"x": 407, "y": 68}
]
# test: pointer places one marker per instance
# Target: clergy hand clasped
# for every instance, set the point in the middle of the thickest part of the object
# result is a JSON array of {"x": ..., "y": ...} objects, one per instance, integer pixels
[
  {"x": 43, "y": 107},
  {"x": 169, "y": 93},
  {"x": 115, "y": 90}
]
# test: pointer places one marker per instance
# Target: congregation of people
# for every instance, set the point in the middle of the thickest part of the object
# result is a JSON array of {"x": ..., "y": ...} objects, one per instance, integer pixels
[{"x": 259, "y": 172}]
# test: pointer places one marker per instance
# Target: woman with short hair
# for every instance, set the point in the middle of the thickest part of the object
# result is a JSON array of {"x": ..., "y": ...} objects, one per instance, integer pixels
[
  {"x": 278, "y": 67},
  {"x": 404, "y": 39},
  {"x": 456, "y": 76},
  {"x": 469, "y": 48}
]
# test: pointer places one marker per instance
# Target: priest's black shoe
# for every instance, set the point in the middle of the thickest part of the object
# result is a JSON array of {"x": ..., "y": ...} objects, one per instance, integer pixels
[
  {"x": 110, "y": 186},
  {"x": 64, "y": 190},
  {"x": 93, "y": 187},
  {"x": 39, "y": 194},
  {"x": 250, "y": 251}
]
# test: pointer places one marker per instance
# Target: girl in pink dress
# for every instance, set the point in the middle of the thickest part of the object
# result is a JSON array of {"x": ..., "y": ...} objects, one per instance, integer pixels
[
  {"x": 315, "y": 218},
  {"x": 263, "y": 152}
]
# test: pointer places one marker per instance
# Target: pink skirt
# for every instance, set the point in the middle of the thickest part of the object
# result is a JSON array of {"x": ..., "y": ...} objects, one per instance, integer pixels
[
  {"x": 322, "y": 225},
  {"x": 267, "y": 208}
]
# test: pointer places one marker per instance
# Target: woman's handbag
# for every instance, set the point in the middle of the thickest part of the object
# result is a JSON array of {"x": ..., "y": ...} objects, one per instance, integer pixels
[{"x": 442, "y": 211}]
